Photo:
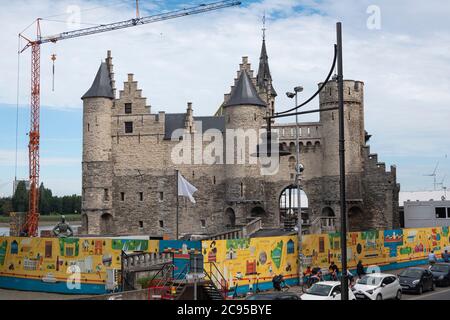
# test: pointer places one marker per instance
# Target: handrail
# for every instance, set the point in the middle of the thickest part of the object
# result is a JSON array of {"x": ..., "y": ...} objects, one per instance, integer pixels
[{"x": 223, "y": 287}]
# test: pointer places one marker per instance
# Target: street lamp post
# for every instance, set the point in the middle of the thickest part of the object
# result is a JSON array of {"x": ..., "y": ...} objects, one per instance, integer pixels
[
  {"x": 298, "y": 171},
  {"x": 343, "y": 207}
]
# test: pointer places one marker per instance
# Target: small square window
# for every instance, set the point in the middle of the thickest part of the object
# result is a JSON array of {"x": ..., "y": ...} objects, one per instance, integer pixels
[
  {"x": 128, "y": 127},
  {"x": 203, "y": 222},
  {"x": 141, "y": 224},
  {"x": 161, "y": 196},
  {"x": 161, "y": 223},
  {"x": 440, "y": 213},
  {"x": 122, "y": 196},
  {"x": 141, "y": 196},
  {"x": 128, "y": 108}
]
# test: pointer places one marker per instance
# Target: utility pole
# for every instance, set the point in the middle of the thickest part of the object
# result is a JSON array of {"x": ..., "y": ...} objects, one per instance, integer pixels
[
  {"x": 340, "y": 79},
  {"x": 299, "y": 202}
]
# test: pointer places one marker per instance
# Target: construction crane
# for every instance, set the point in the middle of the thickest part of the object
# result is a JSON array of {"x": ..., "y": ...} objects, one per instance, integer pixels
[{"x": 30, "y": 227}]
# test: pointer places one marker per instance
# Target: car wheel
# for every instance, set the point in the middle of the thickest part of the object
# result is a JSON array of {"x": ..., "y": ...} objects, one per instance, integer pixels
[
  {"x": 379, "y": 297},
  {"x": 399, "y": 295},
  {"x": 420, "y": 291}
]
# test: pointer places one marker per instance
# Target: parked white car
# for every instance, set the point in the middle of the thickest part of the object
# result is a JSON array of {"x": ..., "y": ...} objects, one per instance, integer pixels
[
  {"x": 378, "y": 286},
  {"x": 326, "y": 290}
]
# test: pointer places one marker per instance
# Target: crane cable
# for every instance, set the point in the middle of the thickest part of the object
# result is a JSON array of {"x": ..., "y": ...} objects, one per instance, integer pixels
[
  {"x": 320, "y": 89},
  {"x": 17, "y": 105}
]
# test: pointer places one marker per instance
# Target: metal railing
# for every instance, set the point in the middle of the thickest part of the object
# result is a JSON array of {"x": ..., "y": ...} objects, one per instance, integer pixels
[{"x": 217, "y": 280}]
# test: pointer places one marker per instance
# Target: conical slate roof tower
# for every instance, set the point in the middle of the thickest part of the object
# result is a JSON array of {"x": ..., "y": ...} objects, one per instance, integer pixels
[{"x": 244, "y": 93}]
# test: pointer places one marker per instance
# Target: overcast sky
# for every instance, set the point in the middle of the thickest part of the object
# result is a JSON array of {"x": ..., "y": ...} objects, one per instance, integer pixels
[{"x": 402, "y": 55}]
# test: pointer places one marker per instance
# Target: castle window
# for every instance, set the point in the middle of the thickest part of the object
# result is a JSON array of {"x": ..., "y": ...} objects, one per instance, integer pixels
[
  {"x": 242, "y": 189},
  {"x": 161, "y": 223},
  {"x": 105, "y": 195},
  {"x": 161, "y": 196},
  {"x": 214, "y": 180},
  {"x": 440, "y": 213},
  {"x": 122, "y": 196},
  {"x": 128, "y": 108},
  {"x": 141, "y": 196},
  {"x": 141, "y": 224},
  {"x": 254, "y": 116},
  {"x": 203, "y": 222},
  {"x": 128, "y": 127},
  {"x": 332, "y": 116},
  {"x": 88, "y": 127}
]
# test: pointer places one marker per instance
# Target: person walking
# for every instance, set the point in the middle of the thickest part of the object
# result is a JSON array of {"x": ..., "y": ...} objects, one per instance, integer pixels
[
  {"x": 432, "y": 258},
  {"x": 360, "y": 269},
  {"x": 334, "y": 270}
]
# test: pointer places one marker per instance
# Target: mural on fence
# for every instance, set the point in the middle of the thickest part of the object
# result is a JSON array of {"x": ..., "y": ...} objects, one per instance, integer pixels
[
  {"x": 37, "y": 263},
  {"x": 41, "y": 264},
  {"x": 249, "y": 262},
  {"x": 376, "y": 247}
]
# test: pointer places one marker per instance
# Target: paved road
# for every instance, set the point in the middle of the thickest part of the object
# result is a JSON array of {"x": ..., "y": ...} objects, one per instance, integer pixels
[{"x": 438, "y": 294}]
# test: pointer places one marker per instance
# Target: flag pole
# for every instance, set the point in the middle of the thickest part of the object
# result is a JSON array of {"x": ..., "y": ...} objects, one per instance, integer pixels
[{"x": 178, "y": 204}]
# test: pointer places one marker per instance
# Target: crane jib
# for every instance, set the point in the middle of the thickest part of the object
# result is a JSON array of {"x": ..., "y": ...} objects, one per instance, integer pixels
[{"x": 138, "y": 21}]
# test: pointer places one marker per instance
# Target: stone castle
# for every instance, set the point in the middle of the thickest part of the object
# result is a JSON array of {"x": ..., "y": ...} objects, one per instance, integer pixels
[{"x": 129, "y": 179}]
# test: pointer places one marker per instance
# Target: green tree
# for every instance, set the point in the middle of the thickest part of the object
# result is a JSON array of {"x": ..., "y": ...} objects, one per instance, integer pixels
[
  {"x": 5, "y": 206},
  {"x": 45, "y": 200},
  {"x": 20, "y": 198}
]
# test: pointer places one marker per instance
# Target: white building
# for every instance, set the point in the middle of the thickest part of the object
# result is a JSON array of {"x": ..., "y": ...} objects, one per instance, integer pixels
[{"x": 425, "y": 209}]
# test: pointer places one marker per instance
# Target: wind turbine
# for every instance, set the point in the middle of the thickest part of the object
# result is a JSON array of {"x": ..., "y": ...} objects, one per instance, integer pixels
[
  {"x": 442, "y": 182},
  {"x": 433, "y": 175}
]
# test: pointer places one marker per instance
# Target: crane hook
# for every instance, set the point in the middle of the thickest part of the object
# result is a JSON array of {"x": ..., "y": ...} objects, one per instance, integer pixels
[{"x": 53, "y": 57}]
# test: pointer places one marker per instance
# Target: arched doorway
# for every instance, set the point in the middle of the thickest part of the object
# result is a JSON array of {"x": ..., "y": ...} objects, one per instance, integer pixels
[
  {"x": 328, "y": 212},
  {"x": 288, "y": 206},
  {"x": 257, "y": 212},
  {"x": 84, "y": 223},
  {"x": 230, "y": 218},
  {"x": 355, "y": 219},
  {"x": 106, "y": 224}
]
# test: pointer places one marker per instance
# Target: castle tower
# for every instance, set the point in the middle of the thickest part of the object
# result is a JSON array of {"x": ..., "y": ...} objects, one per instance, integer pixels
[
  {"x": 354, "y": 127},
  {"x": 243, "y": 112},
  {"x": 264, "y": 80},
  {"x": 97, "y": 213}
]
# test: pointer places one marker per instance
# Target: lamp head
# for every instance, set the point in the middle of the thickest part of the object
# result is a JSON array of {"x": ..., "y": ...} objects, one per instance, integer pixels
[
  {"x": 298, "y": 89},
  {"x": 290, "y": 95}
]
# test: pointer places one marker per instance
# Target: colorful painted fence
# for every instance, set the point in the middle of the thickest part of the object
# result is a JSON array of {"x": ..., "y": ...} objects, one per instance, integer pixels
[
  {"x": 388, "y": 249},
  {"x": 44, "y": 264},
  {"x": 247, "y": 264}
]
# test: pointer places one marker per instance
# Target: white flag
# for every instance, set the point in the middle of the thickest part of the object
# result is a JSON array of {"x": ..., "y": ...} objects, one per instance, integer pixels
[{"x": 185, "y": 189}]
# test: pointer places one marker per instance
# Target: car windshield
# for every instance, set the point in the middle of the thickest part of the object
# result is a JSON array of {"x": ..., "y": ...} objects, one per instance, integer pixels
[
  {"x": 439, "y": 268},
  {"x": 319, "y": 289},
  {"x": 411, "y": 273},
  {"x": 370, "y": 280}
]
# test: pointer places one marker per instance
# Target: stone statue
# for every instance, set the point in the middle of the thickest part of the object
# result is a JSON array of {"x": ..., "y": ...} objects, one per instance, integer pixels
[{"x": 62, "y": 229}]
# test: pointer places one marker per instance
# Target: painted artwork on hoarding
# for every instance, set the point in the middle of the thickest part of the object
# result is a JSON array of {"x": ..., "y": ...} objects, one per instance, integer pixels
[
  {"x": 246, "y": 263},
  {"x": 45, "y": 264},
  {"x": 377, "y": 247}
]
